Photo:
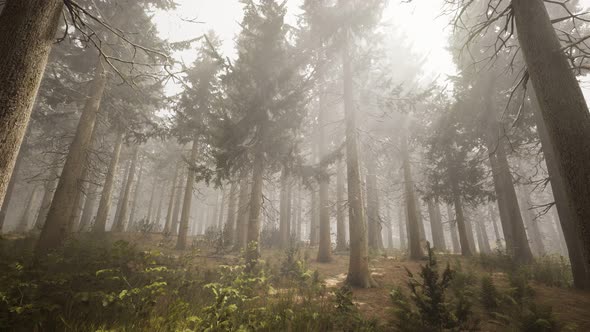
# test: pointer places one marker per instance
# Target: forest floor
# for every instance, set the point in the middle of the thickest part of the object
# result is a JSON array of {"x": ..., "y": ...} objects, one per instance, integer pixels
[{"x": 569, "y": 306}]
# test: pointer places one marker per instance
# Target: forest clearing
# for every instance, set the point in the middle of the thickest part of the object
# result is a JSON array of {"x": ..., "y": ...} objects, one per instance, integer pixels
[{"x": 294, "y": 165}]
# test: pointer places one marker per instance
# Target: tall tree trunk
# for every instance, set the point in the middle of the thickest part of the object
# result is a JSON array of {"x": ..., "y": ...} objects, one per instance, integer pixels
[
  {"x": 453, "y": 230},
  {"x": 230, "y": 223},
  {"x": 389, "y": 228},
  {"x": 242, "y": 217},
  {"x": 438, "y": 236},
  {"x": 460, "y": 222},
  {"x": 178, "y": 206},
  {"x": 56, "y": 227},
  {"x": 120, "y": 223},
  {"x": 358, "y": 267},
  {"x": 563, "y": 108},
  {"x": 517, "y": 244},
  {"x": 415, "y": 248},
  {"x": 23, "y": 224},
  {"x": 27, "y": 32},
  {"x": 49, "y": 189},
  {"x": 484, "y": 245},
  {"x": 169, "y": 214},
  {"x": 402, "y": 228},
  {"x": 10, "y": 188},
  {"x": 104, "y": 205},
  {"x": 314, "y": 219},
  {"x": 254, "y": 222},
  {"x": 88, "y": 210},
  {"x": 340, "y": 206},
  {"x": 134, "y": 203},
  {"x": 495, "y": 224},
  {"x": 283, "y": 213},
  {"x": 532, "y": 226},
  {"x": 324, "y": 236},
  {"x": 152, "y": 198},
  {"x": 373, "y": 218},
  {"x": 567, "y": 223},
  {"x": 158, "y": 219},
  {"x": 188, "y": 196}
]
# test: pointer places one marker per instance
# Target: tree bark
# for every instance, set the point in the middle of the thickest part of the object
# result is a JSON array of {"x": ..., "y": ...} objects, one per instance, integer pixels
[
  {"x": 358, "y": 267},
  {"x": 402, "y": 228},
  {"x": 532, "y": 227},
  {"x": 566, "y": 216},
  {"x": 495, "y": 224},
  {"x": 188, "y": 196},
  {"x": 230, "y": 223},
  {"x": 27, "y": 32},
  {"x": 415, "y": 248},
  {"x": 340, "y": 207},
  {"x": 88, "y": 210},
  {"x": 56, "y": 227},
  {"x": 563, "y": 108},
  {"x": 283, "y": 212},
  {"x": 314, "y": 219},
  {"x": 120, "y": 223},
  {"x": 152, "y": 198},
  {"x": 104, "y": 205}
]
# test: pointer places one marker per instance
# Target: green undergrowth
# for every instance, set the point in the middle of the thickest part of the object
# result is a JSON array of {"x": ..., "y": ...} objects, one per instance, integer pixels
[{"x": 96, "y": 286}]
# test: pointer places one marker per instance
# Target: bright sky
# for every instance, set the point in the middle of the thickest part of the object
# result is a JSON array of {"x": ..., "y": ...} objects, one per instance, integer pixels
[{"x": 223, "y": 16}]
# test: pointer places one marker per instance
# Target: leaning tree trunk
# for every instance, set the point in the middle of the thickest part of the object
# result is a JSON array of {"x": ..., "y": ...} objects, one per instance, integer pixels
[
  {"x": 119, "y": 224},
  {"x": 188, "y": 198},
  {"x": 104, "y": 205},
  {"x": 253, "y": 239},
  {"x": 566, "y": 216},
  {"x": 358, "y": 267},
  {"x": 27, "y": 32},
  {"x": 56, "y": 227},
  {"x": 563, "y": 108},
  {"x": 340, "y": 206},
  {"x": 438, "y": 236}
]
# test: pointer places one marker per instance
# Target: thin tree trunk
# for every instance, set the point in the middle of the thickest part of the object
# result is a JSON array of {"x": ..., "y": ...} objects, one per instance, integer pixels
[
  {"x": 374, "y": 222},
  {"x": 27, "y": 33},
  {"x": 460, "y": 222},
  {"x": 169, "y": 214},
  {"x": 438, "y": 236},
  {"x": 158, "y": 219},
  {"x": 389, "y": 228},
  {"x": 119, "y": 225},
  {"x": 415, "y": 248},
  {"x": 563, "y": 108},
  {"x": 178, "y": 206},
  {"x": 134, "y": 203},
  {"x": 453, "y": 230},
  {"x": 10, "y": 188},
  {"x": 340, "y": 207},
  {"x": 253, "y": 239},
  {"x": 283, "y": 216},
  {"x": 49, "y": 187},
  {"x": 152, "y": 198},
  {"x": 88, "y": 210},
  {"x": 358, "y": 267},
  {"x": 402, "y": 229},
  {"x": 23, "y": 225},
  {"x": 314, "y": 219},
  {"x": 56, "y": 227},
  {"x": 230, "y": 223},
  {"x": 104, "y": 205},
  {"x": 495, "y": 224},
  {"x": 533, "y": 231},
  {"x": 241, "y": 235},
  {"x": 188, "y": 196},
  {"x": 485, "y": 244}
]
